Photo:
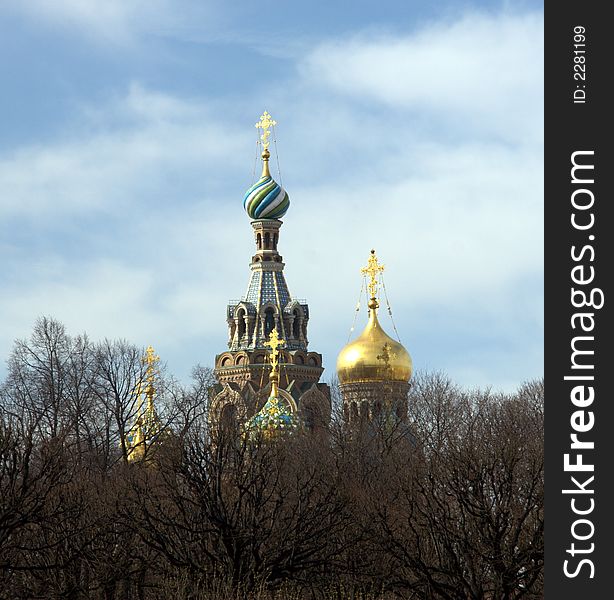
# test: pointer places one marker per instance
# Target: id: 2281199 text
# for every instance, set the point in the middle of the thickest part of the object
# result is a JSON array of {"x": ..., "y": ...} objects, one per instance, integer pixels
[{"x": 579, "y": 64}]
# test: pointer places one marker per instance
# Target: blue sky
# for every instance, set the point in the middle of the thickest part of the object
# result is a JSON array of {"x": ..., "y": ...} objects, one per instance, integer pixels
[{"x": 415, "y": 128}]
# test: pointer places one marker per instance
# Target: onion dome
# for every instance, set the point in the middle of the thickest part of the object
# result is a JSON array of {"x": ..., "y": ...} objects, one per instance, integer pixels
[
  {"x": 274, "y": 417},
  {"x": 373, "y": 356},
  {"x": 266, "y": 199}
]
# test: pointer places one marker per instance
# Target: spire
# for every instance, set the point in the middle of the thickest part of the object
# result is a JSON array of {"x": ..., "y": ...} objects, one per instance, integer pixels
[
  {"x": 150, "y": 359},
  {"x": 266, "y": 199},
  {"x": 147, "y": 424},
  {"x": 267, "y": 305}
]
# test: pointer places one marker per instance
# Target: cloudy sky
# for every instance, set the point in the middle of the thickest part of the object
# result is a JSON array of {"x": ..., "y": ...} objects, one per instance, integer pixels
[{"x": 416, "y": 128}]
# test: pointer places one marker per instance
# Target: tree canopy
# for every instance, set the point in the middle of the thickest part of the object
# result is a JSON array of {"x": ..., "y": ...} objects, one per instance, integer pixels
[{"x": 454, "y": 511}]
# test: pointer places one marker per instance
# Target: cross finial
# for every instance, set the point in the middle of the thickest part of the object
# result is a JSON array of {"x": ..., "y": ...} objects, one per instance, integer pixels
[
  {"x": 265, "y": 123},
  {"x": 372, "y": 269},
  {"x": 274, "y": 343}
]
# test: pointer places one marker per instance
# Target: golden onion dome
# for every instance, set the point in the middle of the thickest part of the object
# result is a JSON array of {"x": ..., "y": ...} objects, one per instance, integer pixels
[{"x": 373, "y": 356}]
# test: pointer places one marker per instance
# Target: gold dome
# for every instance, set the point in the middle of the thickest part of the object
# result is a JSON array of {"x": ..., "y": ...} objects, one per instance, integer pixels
[{"x": 373, "y": 355}]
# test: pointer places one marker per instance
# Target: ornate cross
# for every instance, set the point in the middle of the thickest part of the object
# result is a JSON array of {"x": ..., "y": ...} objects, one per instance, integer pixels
[
  {"x": 372, "y": 269},
  {"x": 265, "y": 124},
  {"x": 386, "y": 355},
  {"x": 274, "y": 343}
]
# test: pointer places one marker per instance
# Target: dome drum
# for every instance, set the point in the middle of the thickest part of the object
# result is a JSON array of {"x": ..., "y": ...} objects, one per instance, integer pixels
[
  {"x": 362, "y": 399},
  {"x": 298, "y": 366}
]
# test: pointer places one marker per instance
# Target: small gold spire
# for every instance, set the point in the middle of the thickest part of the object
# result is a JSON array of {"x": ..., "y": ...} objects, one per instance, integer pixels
[
  {"x": 265, "y": 164},
  {"x": 147, "y": 424},
  {"x": 274, "y": 343},
  {"x": 150, "y": 359},
  {"x": 372, "y": 269}
]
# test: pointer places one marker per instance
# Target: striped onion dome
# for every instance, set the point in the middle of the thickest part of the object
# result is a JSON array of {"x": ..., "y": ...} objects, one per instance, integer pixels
[{"x": 266, "y": 199}]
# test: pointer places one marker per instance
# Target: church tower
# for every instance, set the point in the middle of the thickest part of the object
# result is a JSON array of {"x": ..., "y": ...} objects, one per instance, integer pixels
[
  {"x": 147, "y": 429},
  {"x": 374, "y": 370},
  {"x": 243, "y": 370}
]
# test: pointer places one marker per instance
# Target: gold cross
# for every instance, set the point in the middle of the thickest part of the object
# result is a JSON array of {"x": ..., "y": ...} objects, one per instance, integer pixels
[
  {"x": 386, "y": 355},
  {"x": 372, "y": 269},
  {"x": 265, "y": 124},
  {"x": 274, "y": 343}
]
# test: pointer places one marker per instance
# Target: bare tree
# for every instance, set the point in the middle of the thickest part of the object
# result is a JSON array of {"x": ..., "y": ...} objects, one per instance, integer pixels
[
  {"x": 448, "y": 506},
  {"x": 465, "y": 518}
]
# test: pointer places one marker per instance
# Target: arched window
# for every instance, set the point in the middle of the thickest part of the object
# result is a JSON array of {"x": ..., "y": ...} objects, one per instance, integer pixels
[
  {"x": 241, "y": 323},
  {"x": 269, "y": 321},
  {"x": 275, "y": 242},
  {"x": 267, "y": 240},
  {"x": 296, "y": 326},
  {"x": 259, "y": 241}
]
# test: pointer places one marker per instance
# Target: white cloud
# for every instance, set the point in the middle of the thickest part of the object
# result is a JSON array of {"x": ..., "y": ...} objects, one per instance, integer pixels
[
  {"x": 134, "y": 143},
  {"x": 117, "y": 22},
  {"x": 479, "y": 72},
  {"x": 425, "y": 146},
  {"x": 109, "y": 298},
  {"x": 120, "y": 230}
]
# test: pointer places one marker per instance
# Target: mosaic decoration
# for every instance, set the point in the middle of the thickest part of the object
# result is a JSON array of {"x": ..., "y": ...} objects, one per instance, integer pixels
[{"x": 273, "y": 418}]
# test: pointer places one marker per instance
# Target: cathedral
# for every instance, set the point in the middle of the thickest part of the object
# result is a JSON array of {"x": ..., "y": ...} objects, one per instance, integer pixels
[
  {"x": 268, "y": 379},
  {"x": 374, "y": 370}
]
